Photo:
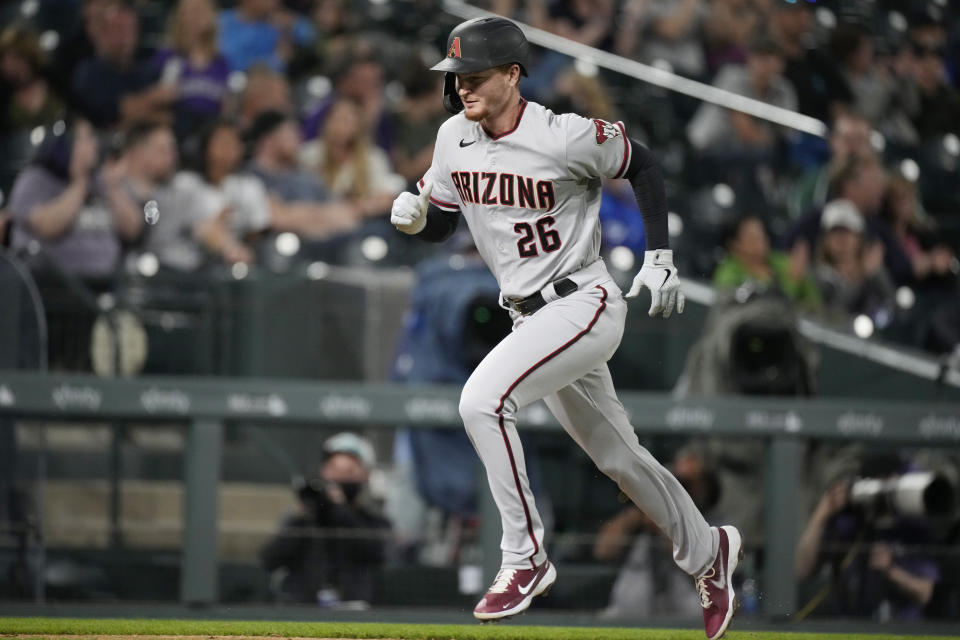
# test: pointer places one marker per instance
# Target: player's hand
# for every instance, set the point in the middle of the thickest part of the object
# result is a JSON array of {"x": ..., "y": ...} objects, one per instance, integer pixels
[
  {"x": 660, "y": 276},
  {"x": 409, "y": 212}
]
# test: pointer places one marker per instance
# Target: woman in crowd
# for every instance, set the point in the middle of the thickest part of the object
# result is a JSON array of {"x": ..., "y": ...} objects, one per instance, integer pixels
[
  {"x": 750, "y": 259},
  {"x": 349, "y": 164},
  {"x": 191, "y": 64},
  {"x": 921, "y": 260}
]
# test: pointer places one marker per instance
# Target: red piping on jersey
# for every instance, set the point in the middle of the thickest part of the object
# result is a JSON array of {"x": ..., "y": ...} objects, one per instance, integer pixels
[
  {"x": 503, "y": 431},
  {"x": 523, "y": 106},
  {"x": 439, "y": 203},
  {"x": 626, "y": 152}
]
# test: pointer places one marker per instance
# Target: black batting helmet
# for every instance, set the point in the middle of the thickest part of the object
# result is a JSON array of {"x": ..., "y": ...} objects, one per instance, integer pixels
[{"x": 480, "y": 44}]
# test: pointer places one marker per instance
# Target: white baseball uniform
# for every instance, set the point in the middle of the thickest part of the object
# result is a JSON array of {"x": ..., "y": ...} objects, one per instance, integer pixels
[{"x": 531, "y": 197}]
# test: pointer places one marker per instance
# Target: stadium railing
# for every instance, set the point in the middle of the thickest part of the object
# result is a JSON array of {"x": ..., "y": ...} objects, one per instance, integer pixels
[{"x": 207, "y": 404}]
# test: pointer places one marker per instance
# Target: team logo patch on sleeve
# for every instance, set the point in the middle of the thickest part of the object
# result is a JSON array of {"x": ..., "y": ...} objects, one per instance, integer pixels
[
  {"x": 454, "y": 50},
  {"x": 605, "y": 130}
]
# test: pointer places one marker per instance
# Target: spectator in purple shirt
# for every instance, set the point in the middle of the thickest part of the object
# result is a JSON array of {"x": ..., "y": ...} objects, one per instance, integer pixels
[
  {"x": 192, "y": 65},
  {"x": 79, "y": 217}
]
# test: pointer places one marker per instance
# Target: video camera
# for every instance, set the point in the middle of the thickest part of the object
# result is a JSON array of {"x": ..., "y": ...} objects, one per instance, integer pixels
[{"x": 917, "y": 494}]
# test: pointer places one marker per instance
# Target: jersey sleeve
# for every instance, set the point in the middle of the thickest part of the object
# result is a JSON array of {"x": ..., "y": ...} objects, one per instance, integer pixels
[
  {"x": 443, "y": 194},
  {"x": 595, "y": 147}
]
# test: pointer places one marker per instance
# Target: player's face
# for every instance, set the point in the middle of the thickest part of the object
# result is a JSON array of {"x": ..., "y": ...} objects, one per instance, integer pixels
[{"x": 486, "y": 93}]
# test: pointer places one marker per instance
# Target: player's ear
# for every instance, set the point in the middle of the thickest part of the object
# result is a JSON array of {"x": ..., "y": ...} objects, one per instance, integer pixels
[{"x": 514, "y": 74}]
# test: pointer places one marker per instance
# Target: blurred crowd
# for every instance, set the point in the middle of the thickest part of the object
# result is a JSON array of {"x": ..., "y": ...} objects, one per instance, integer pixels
[{"x": 233, "y": 124}]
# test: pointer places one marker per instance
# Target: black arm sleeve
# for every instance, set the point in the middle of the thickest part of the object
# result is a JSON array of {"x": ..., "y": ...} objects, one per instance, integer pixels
[
  {"x": 440, "y": 224},
  {"x": 644, "y": 174}
]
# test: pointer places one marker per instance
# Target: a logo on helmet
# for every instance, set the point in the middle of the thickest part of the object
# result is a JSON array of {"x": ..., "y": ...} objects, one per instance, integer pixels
[
  {"x": 454, "y": 50},
  {"x": 605, "y": 130}
]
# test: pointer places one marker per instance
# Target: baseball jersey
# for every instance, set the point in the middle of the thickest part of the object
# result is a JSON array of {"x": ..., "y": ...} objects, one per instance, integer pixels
[{"x": 530, "y": 195}]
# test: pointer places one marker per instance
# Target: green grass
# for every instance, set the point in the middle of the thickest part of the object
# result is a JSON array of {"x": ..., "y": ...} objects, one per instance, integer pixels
[{"x": 66, "y": 626}]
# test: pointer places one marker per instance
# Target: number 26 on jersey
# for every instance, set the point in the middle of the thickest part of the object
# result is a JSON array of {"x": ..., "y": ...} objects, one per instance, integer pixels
[{"x": 540, "y": 236}]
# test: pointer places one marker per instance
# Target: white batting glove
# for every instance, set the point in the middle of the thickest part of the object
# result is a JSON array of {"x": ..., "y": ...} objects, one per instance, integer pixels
[
  {"x": 660, "y": 276},
  {"x": 409, "y": 212}
]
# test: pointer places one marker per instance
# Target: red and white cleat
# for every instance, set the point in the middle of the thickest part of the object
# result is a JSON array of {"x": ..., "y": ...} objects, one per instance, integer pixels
[
  {"x": 513, "y": 590},
  {"x": 716, "y": 585}
]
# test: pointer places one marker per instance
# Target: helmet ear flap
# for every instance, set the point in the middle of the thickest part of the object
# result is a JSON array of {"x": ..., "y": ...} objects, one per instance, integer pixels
[{"x": 451, "y": 100}]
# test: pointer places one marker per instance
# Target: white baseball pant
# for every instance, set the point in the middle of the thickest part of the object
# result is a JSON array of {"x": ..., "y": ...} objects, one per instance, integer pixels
[{"x": 559, "y": 354}]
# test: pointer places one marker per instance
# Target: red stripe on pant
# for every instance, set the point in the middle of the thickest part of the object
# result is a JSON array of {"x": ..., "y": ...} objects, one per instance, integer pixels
[{"x": 503, "y": 432}]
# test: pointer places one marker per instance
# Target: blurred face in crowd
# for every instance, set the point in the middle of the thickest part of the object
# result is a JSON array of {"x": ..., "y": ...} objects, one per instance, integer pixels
[
  {"x": 793, "y": 21},
  {"x": 486, "y": 93},
  {"x": 901, "y": 200},
  {"x": 862, "y": 58},
  {"x": 343, "y": 467},
  {"x": 343, "y": 125},
  {"x": 866, "y": 189},
  {"x": 850, "y": 137},
  {"x": 156, "y": 155},
  {"x": 15, "y": 69},
  {"x": 283, "y": 144},
  {"x": 195, "y": 22},
  {"x": 751, "y": 243},
  {"x": 258, "y": 9},
  {"x": 115, "y": 34},
  {"x": 265, "y": 91},
  {"x": 841, "y": 244},
  {"x": 224, "y": 152},
  {"x": 328, "y": 15},
  {"x": 764, "y": 67},
  {"x": 929, "y": 69},
  {"x": 363, "y": 82}
]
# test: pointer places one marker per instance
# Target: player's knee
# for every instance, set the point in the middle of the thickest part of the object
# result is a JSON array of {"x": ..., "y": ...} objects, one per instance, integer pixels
[{"x": 476, "y": 406}]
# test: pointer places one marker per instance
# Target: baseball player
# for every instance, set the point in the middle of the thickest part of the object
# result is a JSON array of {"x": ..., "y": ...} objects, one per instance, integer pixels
[{"x": 527, "y": 182}]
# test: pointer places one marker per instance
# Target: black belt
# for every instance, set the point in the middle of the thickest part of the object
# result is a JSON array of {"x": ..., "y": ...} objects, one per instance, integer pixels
[{"x": 526, "y": 306}]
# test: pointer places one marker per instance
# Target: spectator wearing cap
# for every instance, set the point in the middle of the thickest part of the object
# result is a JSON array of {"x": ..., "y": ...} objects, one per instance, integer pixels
[
  {"x": 261, "y": 31},
  {"x": 191, "y": 63},
  {"x": 274, "y": 139},
  {"x": 27, "y": 100},
  {"x": 849, "y": 269},
  {"x": 849, "y": 136},
  {"x": 332, "y": 547},
  {"x": 861, "y": 180}
]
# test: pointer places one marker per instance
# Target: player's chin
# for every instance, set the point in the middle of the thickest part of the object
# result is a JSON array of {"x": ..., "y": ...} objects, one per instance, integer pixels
[{"x": 473, "y": 111}]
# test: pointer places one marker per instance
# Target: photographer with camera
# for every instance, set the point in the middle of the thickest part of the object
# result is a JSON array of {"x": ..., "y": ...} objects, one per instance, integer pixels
[
  {"x": 329, "y": 550},
  {"x": 871, "y": 538}
]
